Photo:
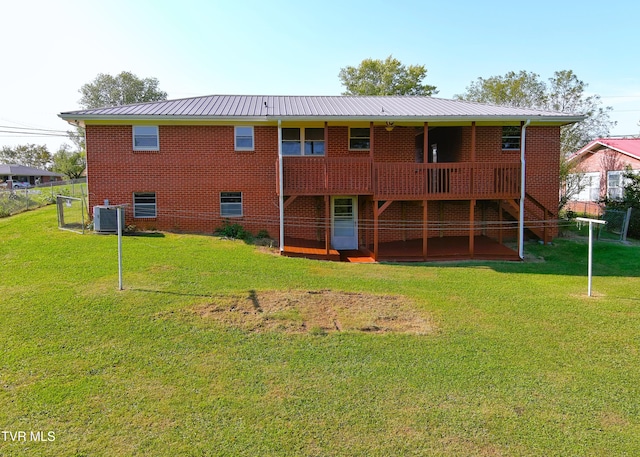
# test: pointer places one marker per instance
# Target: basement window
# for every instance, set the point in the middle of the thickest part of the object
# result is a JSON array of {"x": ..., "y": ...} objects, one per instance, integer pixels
[
  {"x": 144, "y": 205},
  {"x": 231, "y": 204},
  {"x": 511, "y": 138},
  {"x": 146, "y": 138}
]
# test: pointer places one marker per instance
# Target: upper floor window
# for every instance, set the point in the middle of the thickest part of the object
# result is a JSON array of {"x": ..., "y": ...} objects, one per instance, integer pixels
[
  {"x": 359, "y": 138},
  {"x": 244, "y": 138},
  {"x": 144, "y": 204},
  {"x": 293, "y": 140},
  {"x": 145, "y": 138},
  {"x": 511, "y": 138}
]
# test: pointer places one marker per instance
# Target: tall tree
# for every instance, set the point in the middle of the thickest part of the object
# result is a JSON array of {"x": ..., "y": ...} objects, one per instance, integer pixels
[
  {"x": 519, "y": 90},
  {"x": 69, "y": 163},
  {"x": 29, "y": 155},
  {"x": 122, "y": 89},
  {"x": 564, "y": 93},
  {"x": 388, "y": 77}
]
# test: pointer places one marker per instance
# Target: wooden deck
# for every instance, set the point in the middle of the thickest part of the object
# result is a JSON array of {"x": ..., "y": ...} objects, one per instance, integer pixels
[
  {"x": 400, "y": 181},
  {"x": 438, "y": 249}
]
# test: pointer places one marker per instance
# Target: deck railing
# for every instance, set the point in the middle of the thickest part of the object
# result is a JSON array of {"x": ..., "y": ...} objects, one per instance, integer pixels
[{"x": 400, "y": 181}]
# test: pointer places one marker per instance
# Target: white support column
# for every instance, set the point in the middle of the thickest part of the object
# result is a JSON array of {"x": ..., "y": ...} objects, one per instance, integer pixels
[{"x": 281, "y": 186}]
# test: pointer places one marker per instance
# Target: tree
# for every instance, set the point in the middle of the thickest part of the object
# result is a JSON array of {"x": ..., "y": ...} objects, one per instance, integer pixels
[
  {"x": 123, "y": 89},
  {"x": 29, "y": 155},
  {"x": 388, "y": 77},
  {"x": 69, "y": 163},
  {"x": 564, "y": 93},
  {"x": 519, "y": 90}
]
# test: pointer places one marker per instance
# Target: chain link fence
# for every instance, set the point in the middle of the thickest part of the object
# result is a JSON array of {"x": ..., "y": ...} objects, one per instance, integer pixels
[
  {"x": 621, "y": 224},
  {"x": 15, "y": 201}
]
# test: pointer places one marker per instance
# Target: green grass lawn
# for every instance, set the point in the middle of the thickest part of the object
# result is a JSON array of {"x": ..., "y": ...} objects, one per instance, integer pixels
[{"x": 516, "y": 359}]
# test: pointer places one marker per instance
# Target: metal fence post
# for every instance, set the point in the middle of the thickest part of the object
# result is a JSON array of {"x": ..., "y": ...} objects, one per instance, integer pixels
[{"x": 627, "y": 221}]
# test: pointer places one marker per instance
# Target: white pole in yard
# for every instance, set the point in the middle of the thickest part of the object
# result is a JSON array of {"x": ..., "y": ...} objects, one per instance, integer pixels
[
  {"x": 119, "y": 222},
  {"x": 590, "y": 268}
]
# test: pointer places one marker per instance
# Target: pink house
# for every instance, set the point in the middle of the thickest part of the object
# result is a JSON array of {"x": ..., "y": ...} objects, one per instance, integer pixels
[
  {"x": 600, "y": 169},
  {"x": 386, "y": 178}
]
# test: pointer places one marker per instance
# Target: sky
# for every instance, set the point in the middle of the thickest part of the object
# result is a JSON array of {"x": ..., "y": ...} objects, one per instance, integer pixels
[{"x": 270, "y": 47}]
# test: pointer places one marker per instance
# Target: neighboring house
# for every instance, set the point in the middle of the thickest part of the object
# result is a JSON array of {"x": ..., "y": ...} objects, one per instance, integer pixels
[
  {"x": 32, "y": 176},
  {"x": 600, "y": 169},
  {"x": 396, "y": 178}
]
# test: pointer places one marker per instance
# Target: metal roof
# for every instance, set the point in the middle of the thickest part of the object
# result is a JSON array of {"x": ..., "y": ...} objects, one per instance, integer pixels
[
  {"x": 269, "y": 107},
  {"x": 21, "y": 170},
  {"x": 627, "y": 146}
]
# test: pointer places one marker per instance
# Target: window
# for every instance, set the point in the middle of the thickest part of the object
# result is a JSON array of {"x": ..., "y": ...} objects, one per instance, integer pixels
[
  {"x": 615, "y": 184},
  {"x": 144, "y": 205},
  {"x": 511, "y": 138},
  {"x": 145, "y": 138},
  {"x": 230, "y": 204},
  {"x": 359, "y": 138},
  {"x": 588, "y": 183},
  {"x": 294, "y": 138},
  {"x": 244, "y": 138}
]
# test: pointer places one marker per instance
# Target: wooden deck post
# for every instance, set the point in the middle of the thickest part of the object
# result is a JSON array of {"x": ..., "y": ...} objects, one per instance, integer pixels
[
  {"x": 472, "y": 228},
  {"x": 500, "y": 221},
  {"x": 327, "y": 224},
  {"x": 375, "y": 230},
  {"x": 425, "y": 234}
]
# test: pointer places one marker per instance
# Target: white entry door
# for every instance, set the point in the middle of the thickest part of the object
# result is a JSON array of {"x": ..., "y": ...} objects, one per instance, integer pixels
[{"x": 344, "y": 223}]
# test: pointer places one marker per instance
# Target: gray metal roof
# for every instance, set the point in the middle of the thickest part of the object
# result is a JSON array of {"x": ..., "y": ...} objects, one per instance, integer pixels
[
  {"x": 21, "y": 170},
  {"x": 269, "y": 107}
]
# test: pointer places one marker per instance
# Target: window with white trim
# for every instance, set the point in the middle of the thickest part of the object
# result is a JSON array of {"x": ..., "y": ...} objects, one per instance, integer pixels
[
  {"x": 588, "y": 183},
  {"x": 244, "y": 138},
  {"x": 146, "y": 138},
  {"x": 144, "y": 205},
  {"x": 359, "y": 138},
  {"x": 615, "y": 184},
  {"x": 511, "y": 137},
  {"x": 293, "y": 139},
  {"x": 231, "y": 204}
]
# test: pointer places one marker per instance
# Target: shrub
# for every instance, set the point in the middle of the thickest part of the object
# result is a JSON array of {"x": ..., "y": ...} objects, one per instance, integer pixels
[{"x": 233, "y": 231}]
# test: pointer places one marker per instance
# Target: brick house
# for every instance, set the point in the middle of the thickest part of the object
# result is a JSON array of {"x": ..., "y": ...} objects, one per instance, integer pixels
[
  {"x": 600, "y": 169},
  {"x": 395, "y": 177}
]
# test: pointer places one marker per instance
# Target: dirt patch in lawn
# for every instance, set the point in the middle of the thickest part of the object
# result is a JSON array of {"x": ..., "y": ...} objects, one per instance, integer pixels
[{"x": 318, "y": 312}]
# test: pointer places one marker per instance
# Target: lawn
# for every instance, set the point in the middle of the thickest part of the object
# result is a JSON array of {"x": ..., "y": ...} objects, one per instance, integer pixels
[{"x": 216, "y": 347}]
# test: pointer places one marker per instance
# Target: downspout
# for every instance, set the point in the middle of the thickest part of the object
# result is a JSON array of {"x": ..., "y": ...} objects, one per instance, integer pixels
[
  {"x": 523, "y": 144},
  {"x": 280, "y": 186}
]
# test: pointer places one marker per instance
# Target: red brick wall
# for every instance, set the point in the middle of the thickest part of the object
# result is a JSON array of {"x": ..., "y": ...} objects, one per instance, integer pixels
[{"x": 194, "y": 164}]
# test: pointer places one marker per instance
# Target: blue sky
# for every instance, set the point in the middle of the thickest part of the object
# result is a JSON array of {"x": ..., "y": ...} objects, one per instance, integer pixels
[{"x": 52, "y": 48}]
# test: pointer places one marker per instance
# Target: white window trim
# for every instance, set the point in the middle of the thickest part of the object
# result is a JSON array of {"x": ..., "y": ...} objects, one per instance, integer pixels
[
  {"x": 303, "y": 141},
  {"x": 359, "y": 137},
  {"x": 222, "y": 205},
  {"x": 153, "y": 205},
  {"x": 145, "y": 148},
  {"x": 235, "y": 138}
]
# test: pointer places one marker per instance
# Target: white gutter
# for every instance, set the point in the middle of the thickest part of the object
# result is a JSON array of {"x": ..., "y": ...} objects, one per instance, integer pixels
[
  {"x": 523, "y": 143},
  {"x": 280, "y": 186}
]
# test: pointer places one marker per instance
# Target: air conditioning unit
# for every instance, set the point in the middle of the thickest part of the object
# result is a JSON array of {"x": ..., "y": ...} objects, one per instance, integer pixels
[{"x": 105, "y": 219}]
